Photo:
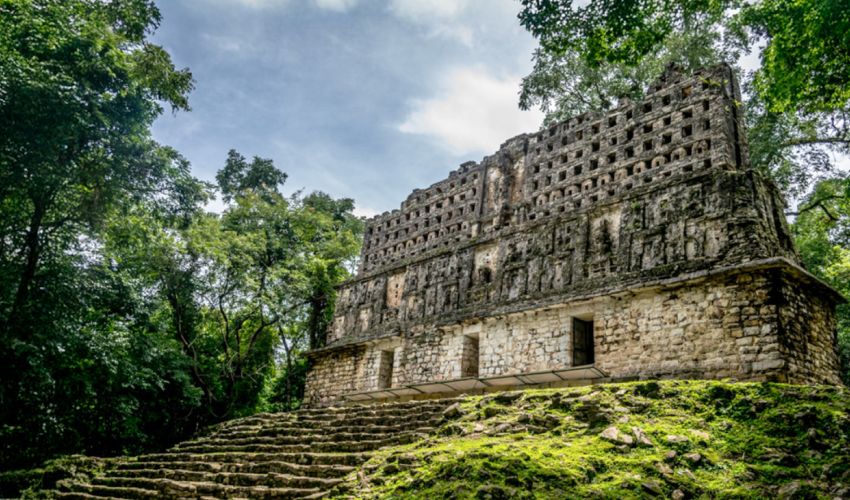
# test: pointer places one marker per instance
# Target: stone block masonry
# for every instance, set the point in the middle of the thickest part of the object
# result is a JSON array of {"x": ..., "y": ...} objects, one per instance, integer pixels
[{"x": 638, "y": 241}]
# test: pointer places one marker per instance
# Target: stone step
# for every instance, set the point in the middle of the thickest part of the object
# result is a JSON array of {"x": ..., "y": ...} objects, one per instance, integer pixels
[
  {"x": 333, "y": 447},
  {"x": 302, "y": 458},
  {"x": 322, "y": 425},
  {"x": 388, "y": 410},
  {"x": 74, "y": 488},
  {"x": 75, "y": 495},
  {"x": 363, "y": 421},
  {"x": 136, "y": 488},
  {"x": 300, "y": 430},
  {"x": 280, "y": 467},
  {"x": 284, "y": 439},
  {"x": 131, "y": 478},
  {"x": 367, "y": 417},
  {"x": 413, "y": 403}
]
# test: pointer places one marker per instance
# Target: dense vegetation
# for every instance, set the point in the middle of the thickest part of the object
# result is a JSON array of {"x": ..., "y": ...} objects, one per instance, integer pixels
[
  {"x": 130, "y": 317},
  {"x": 797, "y": 99},
  {"x": 670, "y": 439}
]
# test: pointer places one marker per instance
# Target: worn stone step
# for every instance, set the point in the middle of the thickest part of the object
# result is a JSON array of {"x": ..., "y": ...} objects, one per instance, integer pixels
[
  {"x": 363, "y": 421},
  {"x": 288, "y": 439},
  {"x": 280, "y": 467},
  {"x": 300, "y": 430},
  {"x": 169, "y": 488},
  {"x": 75, "y": 495},
  {"x": 302, "y": 458},
  {"x": 326, "y": 425},
  {"x": 106, "y": 491},
  {"x": 412, "y": 404},
  {"x": 270, "y": 479},
  {"x": 336, "y": 447},
  {"x": 387, "y": 410},
  {"x": 377, "y": 412}
]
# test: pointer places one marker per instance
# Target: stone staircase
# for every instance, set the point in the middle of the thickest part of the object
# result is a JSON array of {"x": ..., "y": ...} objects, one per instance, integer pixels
[{"x": 301, "y": 454}]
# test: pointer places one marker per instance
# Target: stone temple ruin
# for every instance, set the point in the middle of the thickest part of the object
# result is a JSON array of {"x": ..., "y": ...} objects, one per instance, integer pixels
[{"x": 635, "y": 244}]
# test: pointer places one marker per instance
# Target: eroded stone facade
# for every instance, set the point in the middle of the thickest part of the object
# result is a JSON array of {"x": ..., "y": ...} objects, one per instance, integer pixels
[{"x": 645, "y": 223}]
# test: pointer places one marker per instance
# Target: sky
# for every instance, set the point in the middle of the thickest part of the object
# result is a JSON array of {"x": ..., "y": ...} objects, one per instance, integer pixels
[{"x": 364, "y": 99}]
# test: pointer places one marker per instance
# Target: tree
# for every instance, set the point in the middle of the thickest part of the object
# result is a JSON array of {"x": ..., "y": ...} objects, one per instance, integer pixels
[
  {"x": 591, "y": 56},
  {"x": 79, "y": 89},
  {"x": 84, "y": 366},
  {"x": 129, "y": 317},
  {"x": 805, "y": 64},
  {"x": 238, "y": 177},
  {"x": 264, "y": 279}
]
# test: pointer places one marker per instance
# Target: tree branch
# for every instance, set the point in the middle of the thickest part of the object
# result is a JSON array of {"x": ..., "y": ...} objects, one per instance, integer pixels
[
  {"x": 818, "y": 204},
  {"x": 814, "y": 140}
]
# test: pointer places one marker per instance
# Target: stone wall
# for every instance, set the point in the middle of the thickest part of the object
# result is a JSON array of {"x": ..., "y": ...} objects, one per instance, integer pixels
[
  {"x": 807, "y": 332},
  {"x": 759, "y": 324},
  {"x": 336, "y": 373},
  {"x": 689, "y": 124}
]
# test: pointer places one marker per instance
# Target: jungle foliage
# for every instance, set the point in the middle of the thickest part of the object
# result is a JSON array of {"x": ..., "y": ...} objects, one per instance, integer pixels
[{"x": 129, "y": 316}]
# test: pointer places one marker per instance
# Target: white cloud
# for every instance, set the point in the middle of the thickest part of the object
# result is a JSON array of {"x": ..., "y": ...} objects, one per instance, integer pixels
[
  {"x": 440, "y": 18},
  {"x": 261, "y": 4},
  {"x": 335, "y": 5},
  {"x": 472, "y": 112},
  {"x": 425, "y": 11},
  {"x": 365, "y": 212},
  {"x": 224, "y": 43}
]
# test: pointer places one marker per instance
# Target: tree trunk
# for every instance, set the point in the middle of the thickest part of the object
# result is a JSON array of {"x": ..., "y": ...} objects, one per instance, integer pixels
[
  {"x": 33, "y": 252},
  {"x": 316, "y": 326},
  {"x": 288, "y": 389}
]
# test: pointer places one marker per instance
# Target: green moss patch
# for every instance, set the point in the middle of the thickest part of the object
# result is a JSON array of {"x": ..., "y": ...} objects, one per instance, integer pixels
[
  {"x": 40, "y": 482},
  {"x": 672, "y": 439}
]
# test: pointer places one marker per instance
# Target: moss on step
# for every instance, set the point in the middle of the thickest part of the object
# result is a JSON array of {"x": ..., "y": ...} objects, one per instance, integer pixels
[
  {"x": 36, "y": 483},
  {"x": 679, "y": 439}
]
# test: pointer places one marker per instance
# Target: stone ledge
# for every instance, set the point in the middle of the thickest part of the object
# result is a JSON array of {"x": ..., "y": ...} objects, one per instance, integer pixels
[
  {"x": 647, "y": 285},
  {"x": 571, "y": 375}
]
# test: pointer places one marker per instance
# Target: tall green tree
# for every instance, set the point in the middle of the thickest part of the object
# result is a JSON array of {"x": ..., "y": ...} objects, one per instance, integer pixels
[
  {"x": 130, "y": 317},
  {"x": 80, "y": 85},
  {"x": 293, "y": 252},
  {"x": 247, "y": 291},
  {"x": 79, "y": 89}
]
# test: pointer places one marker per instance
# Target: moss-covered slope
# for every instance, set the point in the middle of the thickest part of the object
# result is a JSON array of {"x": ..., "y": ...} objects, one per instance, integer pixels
[{"x": 672, "y": 439}]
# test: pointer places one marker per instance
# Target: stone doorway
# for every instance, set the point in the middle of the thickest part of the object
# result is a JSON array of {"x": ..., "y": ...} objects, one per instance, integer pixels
[
  {"x": 385, "y": 369},
  {"x": 469, "y": 357},
  {"x": 582, "y": 342}
]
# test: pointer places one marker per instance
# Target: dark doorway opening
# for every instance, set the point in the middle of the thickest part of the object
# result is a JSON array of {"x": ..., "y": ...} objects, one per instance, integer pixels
[
  {"x": 469, "y": 357},
  {"x": 582, "y": 342},
  {"x": 385, "y": 369}
]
